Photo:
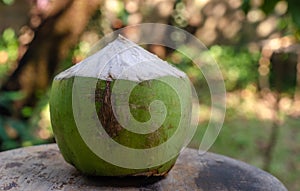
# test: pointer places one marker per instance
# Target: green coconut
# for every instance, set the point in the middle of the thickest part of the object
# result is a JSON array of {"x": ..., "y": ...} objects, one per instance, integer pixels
[{"x": 140, "y": 101}]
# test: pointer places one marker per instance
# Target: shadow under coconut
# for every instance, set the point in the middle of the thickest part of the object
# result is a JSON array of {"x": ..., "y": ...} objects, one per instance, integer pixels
[{"x": 130, "y": 181}]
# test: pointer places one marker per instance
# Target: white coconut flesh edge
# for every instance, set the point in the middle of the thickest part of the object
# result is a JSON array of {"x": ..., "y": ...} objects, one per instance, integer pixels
[{"x": 122, "y": 59}]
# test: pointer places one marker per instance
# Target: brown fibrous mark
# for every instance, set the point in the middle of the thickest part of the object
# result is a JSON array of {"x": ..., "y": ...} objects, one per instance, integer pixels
[{"x": 105, "y": 112}]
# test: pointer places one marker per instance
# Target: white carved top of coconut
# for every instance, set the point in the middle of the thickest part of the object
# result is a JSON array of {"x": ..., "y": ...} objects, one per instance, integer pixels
[{"x": 122, "y": 59}]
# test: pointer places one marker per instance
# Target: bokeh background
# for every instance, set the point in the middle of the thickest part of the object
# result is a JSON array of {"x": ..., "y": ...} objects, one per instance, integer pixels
[{"x": 255, "y": 43}]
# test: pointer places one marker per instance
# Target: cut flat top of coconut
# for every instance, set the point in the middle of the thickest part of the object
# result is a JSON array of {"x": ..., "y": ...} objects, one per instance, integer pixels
[{"x": 122, "y": 59}]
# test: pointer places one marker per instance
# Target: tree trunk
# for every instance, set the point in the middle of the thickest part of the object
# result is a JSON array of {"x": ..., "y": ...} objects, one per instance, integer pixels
[{"x": 62, "y": 22}]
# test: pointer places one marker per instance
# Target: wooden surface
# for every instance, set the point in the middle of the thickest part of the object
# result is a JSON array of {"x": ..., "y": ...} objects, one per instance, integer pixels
[{"x": 43, "y": 168}]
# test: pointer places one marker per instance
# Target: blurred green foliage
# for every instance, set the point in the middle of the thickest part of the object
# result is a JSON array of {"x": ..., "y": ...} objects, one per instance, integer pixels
[
  {"x": 15, "y": 133},
  {"x": 268, "y": 7},
  {"x": 8, "y": 2},
  {"x": 239, "y": 67},
  {"x": 8, "y": 51}
]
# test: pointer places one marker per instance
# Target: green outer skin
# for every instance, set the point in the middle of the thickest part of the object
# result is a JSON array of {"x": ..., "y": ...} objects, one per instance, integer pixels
[{"x": 76, "y": 152}]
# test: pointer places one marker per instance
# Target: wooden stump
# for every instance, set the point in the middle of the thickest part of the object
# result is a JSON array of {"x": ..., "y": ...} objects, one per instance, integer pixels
[{"x": 43, "y": 168}]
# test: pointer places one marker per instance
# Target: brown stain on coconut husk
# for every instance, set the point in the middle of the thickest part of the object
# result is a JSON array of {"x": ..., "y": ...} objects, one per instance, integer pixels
[{"x": 106, "y": 114}]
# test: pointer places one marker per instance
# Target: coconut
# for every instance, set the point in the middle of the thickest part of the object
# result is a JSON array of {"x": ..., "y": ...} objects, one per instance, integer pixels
[{"x": 125, "y": 95}]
